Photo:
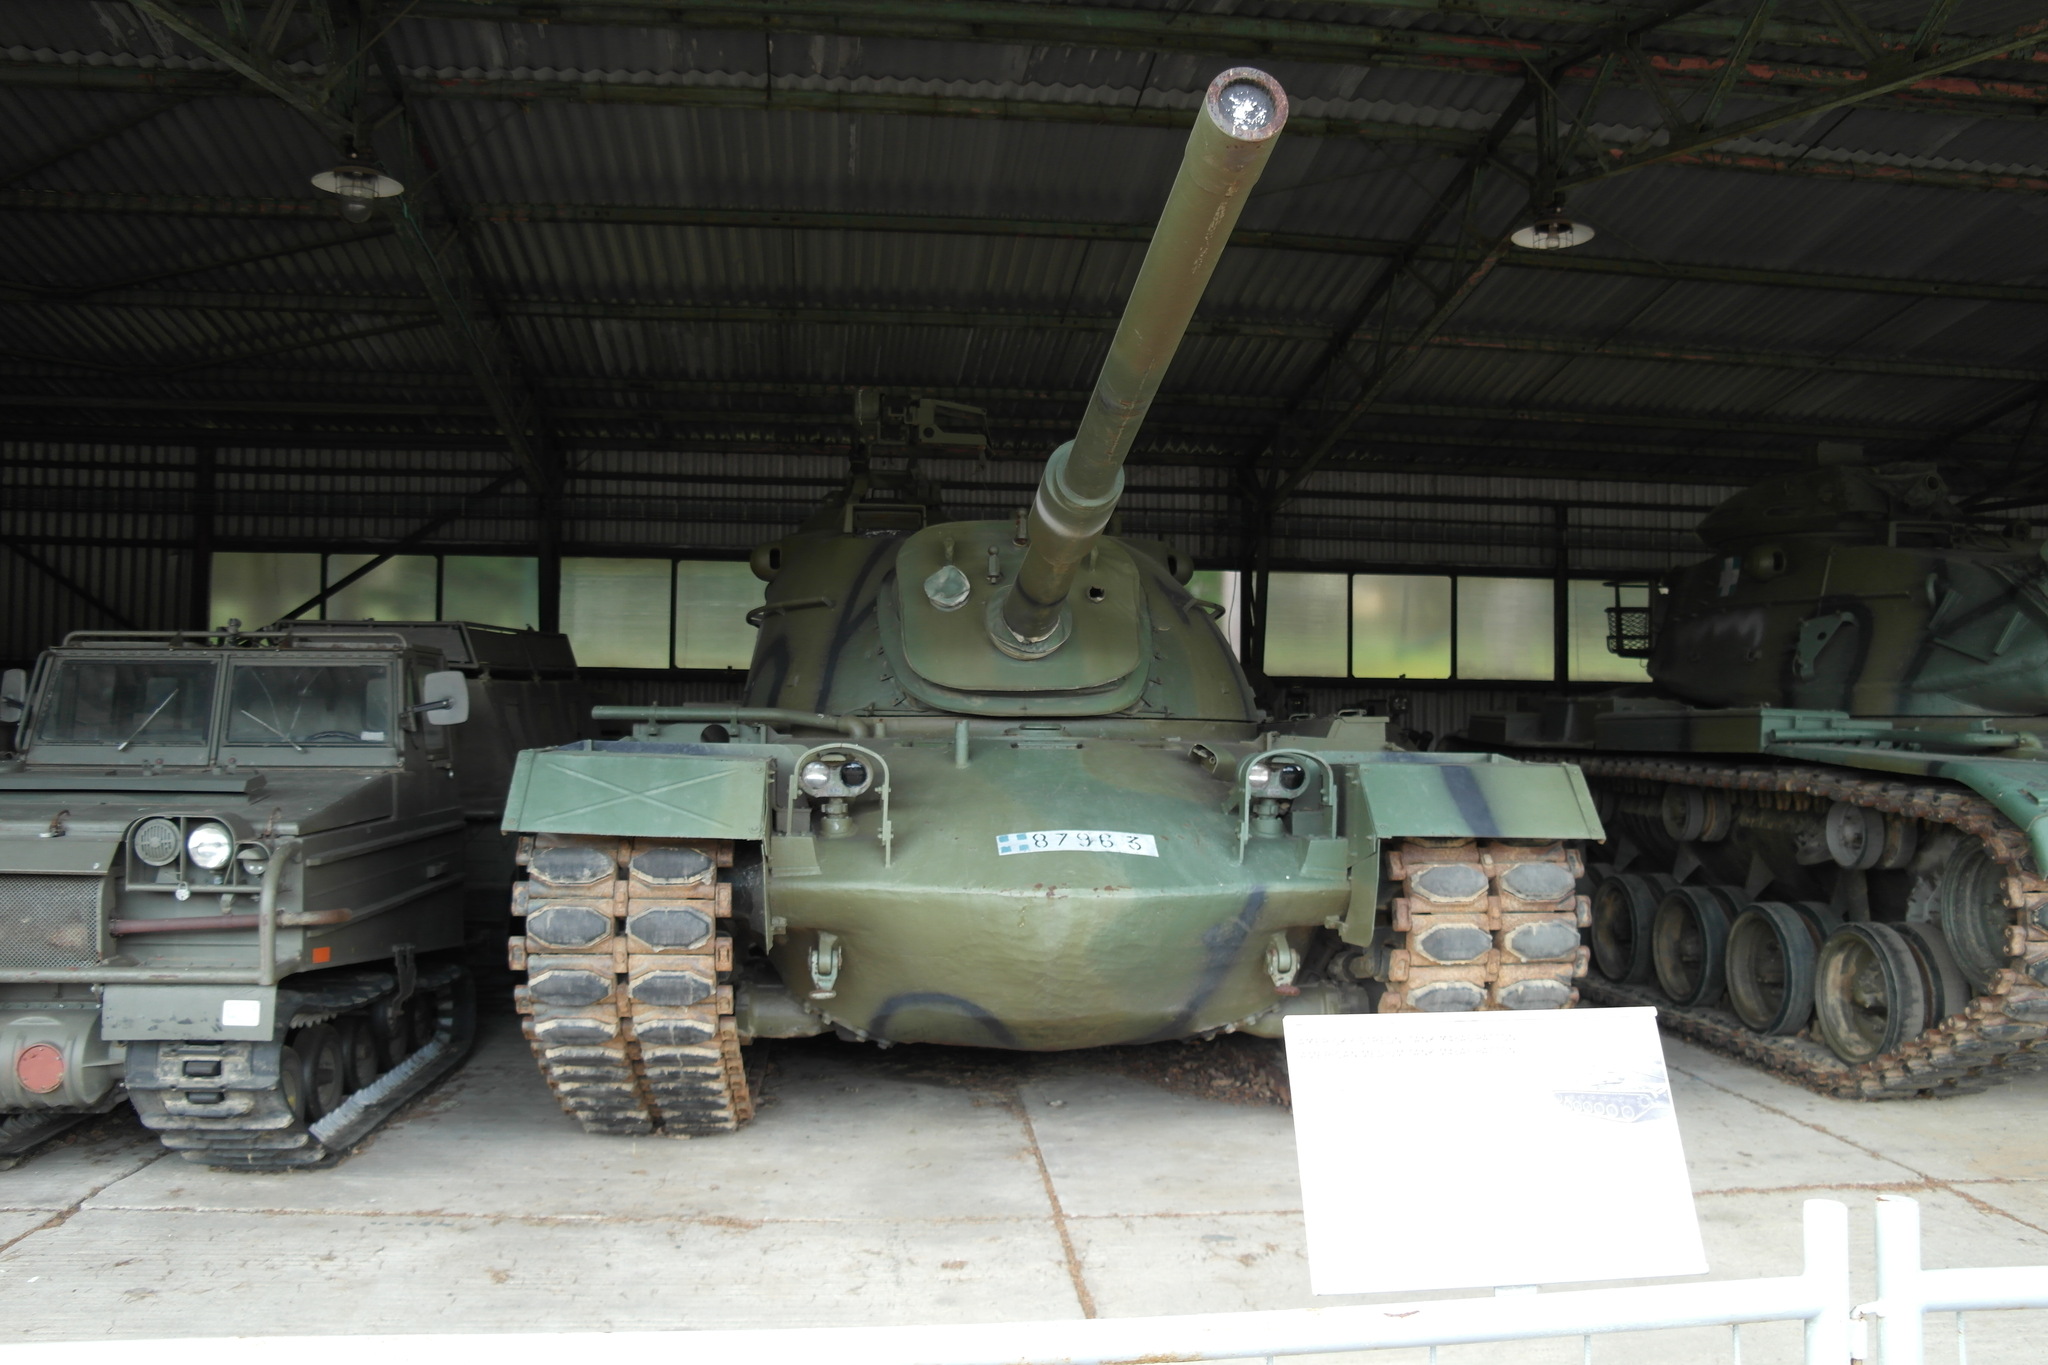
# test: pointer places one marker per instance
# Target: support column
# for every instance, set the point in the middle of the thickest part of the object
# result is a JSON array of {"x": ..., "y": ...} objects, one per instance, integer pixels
[
  {"x": 1561, "y": 594},
  {"x": 199, "y": 579}
]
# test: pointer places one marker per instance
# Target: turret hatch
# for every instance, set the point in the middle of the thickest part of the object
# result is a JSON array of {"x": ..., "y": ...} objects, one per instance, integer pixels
[{"x": 942, "y": 618}]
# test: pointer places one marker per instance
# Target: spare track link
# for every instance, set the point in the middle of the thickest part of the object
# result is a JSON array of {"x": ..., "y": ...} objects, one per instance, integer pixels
[
  {"x": 1484, "y": 926},
  {"x": 628, "y": 997},
  {"x": 1998, "y": 1036},
  {"x": 259, "y": 1131}
]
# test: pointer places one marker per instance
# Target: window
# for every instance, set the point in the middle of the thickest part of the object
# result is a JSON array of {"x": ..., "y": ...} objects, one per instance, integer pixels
[
  {"x": 402, "y": 588},
  {"x": 1474, "y": 627},
  {"x": 1400, "y": 626},
  {"x": 1590, "y": 659},
  {"x": 1307, "y": 626},
  {"x": 713, "y": 598},
  {"x": 309, "y": 705},
  {"x": 256, "y": 589},
  {"x": 616, "y": 611},
  {"x": 1505, "y": 630},
  {"x": 491, "y": 590},
  {"x": 151, "y": 704}
]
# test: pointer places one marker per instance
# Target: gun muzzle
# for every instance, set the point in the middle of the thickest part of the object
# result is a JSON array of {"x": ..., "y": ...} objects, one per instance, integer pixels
[{"x": 1241, "y": 117}]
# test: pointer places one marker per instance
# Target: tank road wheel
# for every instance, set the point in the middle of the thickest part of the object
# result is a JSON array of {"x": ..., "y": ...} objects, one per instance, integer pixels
[
  {"x": 1689, "y": 942},
  {"x": 323, "y": 1073},
  {"x": 1484, "y": 926},
  {"x": 1869, "y": 994},
  {"x": 1969, "y": 898},
  {"x": 627, "y": 960},
  {"x": 1948, "y": 990},
  {"x": 360, "y": 1059},
  {"x": 291, "y": 1083},
  {"x": 1623, "y": 906},
  {"x": 1772, "y": 950}
]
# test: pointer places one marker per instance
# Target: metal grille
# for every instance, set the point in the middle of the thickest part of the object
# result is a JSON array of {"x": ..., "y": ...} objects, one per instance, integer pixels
[
  {"x": 1628, "y": 632},
  {"x": 49, "y": 921}
]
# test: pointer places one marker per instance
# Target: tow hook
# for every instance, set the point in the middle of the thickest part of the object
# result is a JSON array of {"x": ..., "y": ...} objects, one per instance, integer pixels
[{"x": 1282, "y": 962}]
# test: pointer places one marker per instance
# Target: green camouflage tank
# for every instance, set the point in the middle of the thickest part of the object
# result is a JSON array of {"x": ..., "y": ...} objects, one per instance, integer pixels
[
  {"x": 1003, "y": 784},
  {"x": 1830, "y": 836}
]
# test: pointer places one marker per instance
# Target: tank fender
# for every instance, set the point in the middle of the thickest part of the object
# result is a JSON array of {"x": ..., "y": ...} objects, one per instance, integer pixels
[
  {"x": 1399, "y": 794},
  {"x": 1395, "y": 794},
  {"x": 581, "y": 790}
]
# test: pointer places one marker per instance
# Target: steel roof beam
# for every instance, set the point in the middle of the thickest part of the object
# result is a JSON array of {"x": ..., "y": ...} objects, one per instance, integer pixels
[
  {"x": 1449, "y": 141},
  {"x": 328, "y": 381},
  {"x": 43, "y": 293},
  {"x": 1880, "y": 81},
  {"x": 1263, "y": 38},
  {"x": 311, "y": 101},
  {"x": 1669, "y": 352},
  {"x": 655, "y": 215},
  {"x": 683, "y": 13}
]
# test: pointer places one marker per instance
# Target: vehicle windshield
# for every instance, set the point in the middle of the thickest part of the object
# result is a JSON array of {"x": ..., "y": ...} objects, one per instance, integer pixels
[
  {"x": 310, "y": 705},
  {"x": 129, "y": 703}
]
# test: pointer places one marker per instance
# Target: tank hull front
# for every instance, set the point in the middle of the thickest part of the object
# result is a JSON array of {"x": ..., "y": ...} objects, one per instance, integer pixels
[{"x": 953, "y": 940}]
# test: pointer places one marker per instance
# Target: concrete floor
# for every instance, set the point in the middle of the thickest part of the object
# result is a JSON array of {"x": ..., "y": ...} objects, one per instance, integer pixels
[{"x": 918, "y": 1185}]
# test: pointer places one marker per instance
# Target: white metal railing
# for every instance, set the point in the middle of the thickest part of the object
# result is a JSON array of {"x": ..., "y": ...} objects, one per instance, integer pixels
[
  {"x": 1906, "y": 1293},
  {"x": 1818, "y": 1296}
]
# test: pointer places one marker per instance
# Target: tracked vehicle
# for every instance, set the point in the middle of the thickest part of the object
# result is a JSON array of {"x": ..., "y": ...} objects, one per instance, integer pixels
[
  {"x": 233, "y": 871},
  {"x": 1829, "y": 840},
  {"x": 1003, "y": 784}
]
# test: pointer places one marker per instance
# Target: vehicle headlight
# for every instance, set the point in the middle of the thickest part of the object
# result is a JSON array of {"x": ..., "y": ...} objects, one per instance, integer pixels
[
  {"x": 834, "y": 775},
  {"x": 1282, "y": 779},
  {"x": 156, "y": 841},
  {"x": 254, "y": 858},
  {"x": 209, "y": 846}
]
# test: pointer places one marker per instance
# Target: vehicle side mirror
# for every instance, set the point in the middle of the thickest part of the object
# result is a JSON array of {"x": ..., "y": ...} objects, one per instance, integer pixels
[
  {"x": 444, "y": 698},
  {"x": 13, "y": 695}
]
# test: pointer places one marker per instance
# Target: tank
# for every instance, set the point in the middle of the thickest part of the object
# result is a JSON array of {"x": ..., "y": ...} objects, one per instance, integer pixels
[
  {"x": 234, "y": 868},
  {"x": 1829, "y": 830},
  {"x": 1003, "y": 784}
]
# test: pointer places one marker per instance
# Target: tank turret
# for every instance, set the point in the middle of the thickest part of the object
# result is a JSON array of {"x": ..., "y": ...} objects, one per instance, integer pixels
[
  {"x": 1855, "y": 589},
  {"x": 1831, "y": 829}
]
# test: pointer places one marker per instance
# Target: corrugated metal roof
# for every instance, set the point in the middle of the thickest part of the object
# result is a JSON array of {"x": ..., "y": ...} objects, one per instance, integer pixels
[{"x": 738, "y": 401}]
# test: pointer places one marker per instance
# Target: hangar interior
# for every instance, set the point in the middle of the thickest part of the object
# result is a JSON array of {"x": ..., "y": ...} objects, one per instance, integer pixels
[{"x": 627, "y": 287}]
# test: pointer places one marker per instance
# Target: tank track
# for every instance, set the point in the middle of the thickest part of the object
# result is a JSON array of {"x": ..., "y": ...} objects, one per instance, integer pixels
[
  {"x": 628, "y": 1000},
  {"x": 1484, "y": 926},
  {"x": 1999, "y": 1035},
  {"x": 248, "y": 1124}
]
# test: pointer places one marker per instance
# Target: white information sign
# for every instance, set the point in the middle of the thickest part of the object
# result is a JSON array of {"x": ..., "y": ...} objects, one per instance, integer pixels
[
  {"x": 1077, "y": 841},
  {"x": 1450, "y": 1151}
]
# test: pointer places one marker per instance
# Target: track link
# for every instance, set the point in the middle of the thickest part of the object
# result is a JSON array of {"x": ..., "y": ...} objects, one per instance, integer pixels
[
  {"x": 2000, "y": 1034},
  {"x": 240, "y": 1116},
  {"x": 1484, "y": 926},
  {"x": 628, "y": 996}
]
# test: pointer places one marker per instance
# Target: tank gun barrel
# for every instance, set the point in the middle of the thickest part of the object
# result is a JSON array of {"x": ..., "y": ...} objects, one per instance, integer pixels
[{"x": 1241, "y": 117}]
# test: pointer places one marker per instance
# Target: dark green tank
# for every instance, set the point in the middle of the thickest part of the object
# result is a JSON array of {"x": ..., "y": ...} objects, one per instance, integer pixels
[
  {"x": 1003, "y": 784},
  {"x": 1829, "y": 836}
]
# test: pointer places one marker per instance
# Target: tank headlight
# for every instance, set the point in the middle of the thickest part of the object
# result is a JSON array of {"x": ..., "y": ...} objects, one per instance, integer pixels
[
  {"x": 156, "y": 841},
  {"x": 254, "y": 859},
  {"x": 834, "y": 775},
  {"x": 209, "y": 846},
  {"x": 1282, "y": 779}
]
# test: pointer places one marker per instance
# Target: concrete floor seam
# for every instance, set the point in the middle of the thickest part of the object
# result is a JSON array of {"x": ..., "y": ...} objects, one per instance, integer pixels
[
  {"x": 63, "y": 1216},
  {"x": 1928, "y": 1182},
  {"x": 1059, "y": 1216}
]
